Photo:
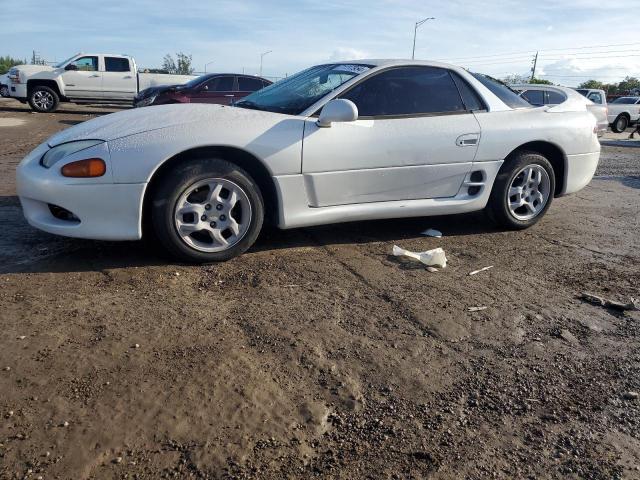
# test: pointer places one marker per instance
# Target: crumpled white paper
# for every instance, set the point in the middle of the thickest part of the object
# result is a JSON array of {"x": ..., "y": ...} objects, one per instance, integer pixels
[{"x": 431, "y": 258}]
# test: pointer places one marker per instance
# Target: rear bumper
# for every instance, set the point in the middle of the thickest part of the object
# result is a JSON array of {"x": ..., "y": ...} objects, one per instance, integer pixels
[{"x": 579, "y": 171}]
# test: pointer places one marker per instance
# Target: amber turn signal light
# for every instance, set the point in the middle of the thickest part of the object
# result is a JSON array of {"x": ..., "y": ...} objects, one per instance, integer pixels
[{"x": 91, "y": 167}]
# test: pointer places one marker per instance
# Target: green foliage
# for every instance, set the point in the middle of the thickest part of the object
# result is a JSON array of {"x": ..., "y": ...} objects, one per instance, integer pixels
[
  {"x": 181, "y": 67},
  {"x": 594, "y": 84},
  {"x": 7, "y": 62},
  {"x": 625, "y": 87},
  {"x": 540, "y": 81}
]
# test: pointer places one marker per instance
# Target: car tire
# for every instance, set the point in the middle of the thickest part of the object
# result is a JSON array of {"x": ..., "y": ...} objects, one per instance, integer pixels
[
  {"x": 4, "y": 91},
  {"x": 44, "y": 99},
  {"x": 620, "y": 124},
  {"x": 510, "y": 190},
  {"x": 203, "y": 203}
]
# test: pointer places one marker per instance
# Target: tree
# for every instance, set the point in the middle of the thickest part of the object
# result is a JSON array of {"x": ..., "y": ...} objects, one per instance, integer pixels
[
  {"x": 168, "y": 64},
  {"x": 594, "y": 84},
  {"x": 628, "y": 84},
  {"x": 7, "y": 62},
  {"x": 184, "y": 64},
  {"x": 515, "y": 79},
  {"x": 181, "y": 67},
  {"x": 540, "y": 81}
]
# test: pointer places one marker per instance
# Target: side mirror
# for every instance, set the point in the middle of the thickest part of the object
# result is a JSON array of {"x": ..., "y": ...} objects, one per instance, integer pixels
[
  {"x": 339, "y": 110},
  {"x": 71, "y": 66}
]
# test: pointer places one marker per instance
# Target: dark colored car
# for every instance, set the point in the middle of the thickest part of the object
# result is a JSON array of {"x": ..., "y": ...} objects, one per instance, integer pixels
[{"x": 220, "y": 88}]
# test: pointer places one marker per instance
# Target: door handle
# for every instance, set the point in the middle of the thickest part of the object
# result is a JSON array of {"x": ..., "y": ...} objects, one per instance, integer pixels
[
  {"x": 94, "y": 76},
  {"x": 468, "y": 140},
  {"x": 229, "y": 95}
]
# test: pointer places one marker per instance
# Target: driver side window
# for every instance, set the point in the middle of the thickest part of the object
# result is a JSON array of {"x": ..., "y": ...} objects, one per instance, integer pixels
[
  {"x": 86, "y": 64},
  {"x": 219, "y": 84},
  {"x": 407, "y": 91}
]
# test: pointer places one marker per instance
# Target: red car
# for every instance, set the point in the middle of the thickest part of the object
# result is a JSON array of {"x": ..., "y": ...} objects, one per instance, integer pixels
[{"x": 221, "y": 88}]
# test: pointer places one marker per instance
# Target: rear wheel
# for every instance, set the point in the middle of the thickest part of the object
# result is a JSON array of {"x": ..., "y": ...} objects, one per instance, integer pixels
[
  {"x": 621, "y": 123},
  {"x": 207, "y": 210},
  {"x": 44, "y": 99},
  {"x": 522, "y": 191}
]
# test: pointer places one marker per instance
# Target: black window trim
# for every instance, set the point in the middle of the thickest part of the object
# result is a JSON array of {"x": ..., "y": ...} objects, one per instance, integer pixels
[
  {"x": 117, "y": 58},
  {"x": 409, "y": 115}
]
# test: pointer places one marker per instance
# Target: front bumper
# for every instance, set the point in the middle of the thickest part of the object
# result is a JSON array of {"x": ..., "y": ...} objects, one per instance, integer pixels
[
  {"x": 18, "y": 90},
  {"x": 579, "y": 171},
  {"x": 104, "y": 210}
]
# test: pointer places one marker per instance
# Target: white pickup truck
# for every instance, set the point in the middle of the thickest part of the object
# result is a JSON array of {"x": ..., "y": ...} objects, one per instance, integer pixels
[
  {"x": 84, "y": 78},
  {"x": 624, "y": 111}
]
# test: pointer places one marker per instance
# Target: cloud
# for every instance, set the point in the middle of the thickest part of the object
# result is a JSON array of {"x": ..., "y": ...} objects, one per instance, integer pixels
[{"x": 348, "y": 53}]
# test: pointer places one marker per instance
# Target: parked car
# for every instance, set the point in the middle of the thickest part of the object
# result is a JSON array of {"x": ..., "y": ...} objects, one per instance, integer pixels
[
  {"x": 84, "y": 78},
  {"x": 624, "y": 111},
  {"x": 4, "y": 86},
  {"x": 220, "y": 88},
  {"x": 540, "y": 95},
  {"x": 334, "y": 143},
  {"x": 597, "y": 96}
]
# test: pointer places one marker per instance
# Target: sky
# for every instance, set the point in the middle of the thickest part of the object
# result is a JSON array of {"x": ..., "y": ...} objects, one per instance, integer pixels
[{"x": 577, "y": 40}]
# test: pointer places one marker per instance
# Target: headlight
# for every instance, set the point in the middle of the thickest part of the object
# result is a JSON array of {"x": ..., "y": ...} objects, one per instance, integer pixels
[
  {"x": 146, "y": 101},
  {"x": 61, "y": 151}
]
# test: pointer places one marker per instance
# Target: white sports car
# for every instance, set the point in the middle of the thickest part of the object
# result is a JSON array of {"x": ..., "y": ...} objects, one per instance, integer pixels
[{"x": 334, "y": 143}]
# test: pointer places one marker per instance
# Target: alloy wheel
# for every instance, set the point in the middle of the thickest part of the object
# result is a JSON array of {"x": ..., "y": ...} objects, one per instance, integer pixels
[
  {"x": 43, "y": 100},
  {"x": 212, "y": 215},
  {"x": 529, "y": 192}
]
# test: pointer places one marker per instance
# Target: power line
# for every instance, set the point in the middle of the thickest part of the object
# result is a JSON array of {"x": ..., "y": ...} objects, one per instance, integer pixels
[{"x": 532, "y": 52}]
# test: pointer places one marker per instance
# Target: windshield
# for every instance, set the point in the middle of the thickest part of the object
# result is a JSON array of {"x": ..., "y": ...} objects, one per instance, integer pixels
[
  {"x": 61, "y": 64},
  {"x": 626, "y": 100},
  {"x": 502, "y": 91},
  {"x": 295, "y": 94}
]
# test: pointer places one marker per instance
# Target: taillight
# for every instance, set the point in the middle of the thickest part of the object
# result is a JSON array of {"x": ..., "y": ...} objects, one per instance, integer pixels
[{"x": 91, "y": 167}]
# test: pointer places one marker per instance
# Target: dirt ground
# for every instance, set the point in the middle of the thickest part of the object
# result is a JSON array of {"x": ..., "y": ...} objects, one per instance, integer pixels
[{"x": 319, "y": 355}]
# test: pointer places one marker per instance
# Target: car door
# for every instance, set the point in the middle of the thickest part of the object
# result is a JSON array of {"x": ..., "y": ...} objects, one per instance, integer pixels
[
  {"x": 220, "y": 89},
  {"x": 82, "y": 78},
  {"x": 247, "y": 85},
  {"x": 415, "y": 138},
  {"x": 118, "y": 79}
]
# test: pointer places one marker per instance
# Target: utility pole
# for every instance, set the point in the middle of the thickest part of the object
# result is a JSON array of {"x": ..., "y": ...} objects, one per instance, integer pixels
[
  {"x": 205, "y": 66},
  {"x": 261, "y": 58},
  {"x": 415, "y": 32},
  {"x": 533, "y": 69}
]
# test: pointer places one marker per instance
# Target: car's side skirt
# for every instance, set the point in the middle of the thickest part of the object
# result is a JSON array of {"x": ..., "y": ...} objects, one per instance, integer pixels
[{"x": 296, "y": 210}]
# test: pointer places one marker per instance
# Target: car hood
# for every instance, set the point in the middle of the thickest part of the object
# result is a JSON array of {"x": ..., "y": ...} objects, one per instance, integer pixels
[{"x": 139, "y": 120}]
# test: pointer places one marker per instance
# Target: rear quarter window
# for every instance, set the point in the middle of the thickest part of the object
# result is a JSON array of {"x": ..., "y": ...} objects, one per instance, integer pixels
[{"x": 500, "y": 90}]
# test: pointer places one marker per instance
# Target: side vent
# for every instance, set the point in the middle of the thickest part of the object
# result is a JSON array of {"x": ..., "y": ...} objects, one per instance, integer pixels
[{"x": 475, "y": 182}]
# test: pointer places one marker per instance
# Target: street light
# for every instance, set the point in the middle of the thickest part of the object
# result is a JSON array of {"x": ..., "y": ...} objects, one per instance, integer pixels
[
  {"x": 205, "y": 66},
  {"x": 415, "y": 31},
  {"x": 261, "y": 57}
]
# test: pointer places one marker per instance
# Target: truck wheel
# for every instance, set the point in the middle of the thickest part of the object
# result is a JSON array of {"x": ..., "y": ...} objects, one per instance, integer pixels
[
  {"x": 522, "y": 191},
  {"x": 4, "y": 91},
  {"x": 620, "y": 124},
  {"x": 207, "y": 210},
  {"x": 44, "y": 99}
]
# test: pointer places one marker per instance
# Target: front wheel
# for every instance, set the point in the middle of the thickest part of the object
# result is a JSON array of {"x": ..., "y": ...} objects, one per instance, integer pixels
[
  {"x": 4, "y": 91},
  {"x": 44, "y": 99},
  {"x": 621, "y": 124},
  {"x": 207, "y": 210},
  {"x": 522, "y": 191}
]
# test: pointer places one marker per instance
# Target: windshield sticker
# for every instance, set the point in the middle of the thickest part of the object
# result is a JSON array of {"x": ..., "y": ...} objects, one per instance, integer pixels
[{"x": 351, "y": 68}]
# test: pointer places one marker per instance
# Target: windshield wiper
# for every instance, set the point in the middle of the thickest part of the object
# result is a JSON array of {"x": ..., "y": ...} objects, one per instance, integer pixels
[{"x": 248, "y": 104}]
